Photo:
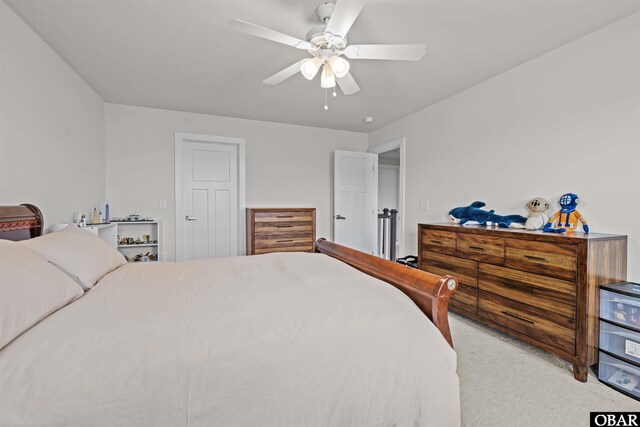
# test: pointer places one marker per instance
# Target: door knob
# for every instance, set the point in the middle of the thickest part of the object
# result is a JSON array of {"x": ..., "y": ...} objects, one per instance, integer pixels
[
  {"x": 340, "y": 217},
  {"x": 190, "y": 218}
]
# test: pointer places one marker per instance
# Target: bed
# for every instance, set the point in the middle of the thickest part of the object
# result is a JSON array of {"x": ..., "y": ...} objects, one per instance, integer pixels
[{"x": 333, "y": 338}]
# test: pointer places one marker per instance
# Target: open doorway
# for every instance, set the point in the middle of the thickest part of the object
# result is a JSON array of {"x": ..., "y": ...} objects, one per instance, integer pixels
[{"x": 391, "y": 167}]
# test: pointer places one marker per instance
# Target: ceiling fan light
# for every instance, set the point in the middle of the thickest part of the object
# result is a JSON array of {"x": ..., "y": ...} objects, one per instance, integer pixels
[
  {"x": 309, "y": 68},
  {"x": 340, "y": 66},
  {"x": 328, "y": 79}
]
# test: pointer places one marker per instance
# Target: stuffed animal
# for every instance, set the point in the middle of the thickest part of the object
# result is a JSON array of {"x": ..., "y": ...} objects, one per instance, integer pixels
[
  {"x": 472, "y": 214},
  {"x": 567, "y": 216},
  {"x": 537, "y": 218}
]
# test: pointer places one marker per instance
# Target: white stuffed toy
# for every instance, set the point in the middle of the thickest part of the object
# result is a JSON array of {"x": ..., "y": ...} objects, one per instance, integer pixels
[{"x": 537, "y": 218}]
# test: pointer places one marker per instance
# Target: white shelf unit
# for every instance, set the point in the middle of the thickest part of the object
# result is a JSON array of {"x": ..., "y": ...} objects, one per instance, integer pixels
[{"x": 136, "y": 230}]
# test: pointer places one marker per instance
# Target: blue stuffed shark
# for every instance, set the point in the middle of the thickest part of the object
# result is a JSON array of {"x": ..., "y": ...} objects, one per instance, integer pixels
[{"x": 472, "y": 214}]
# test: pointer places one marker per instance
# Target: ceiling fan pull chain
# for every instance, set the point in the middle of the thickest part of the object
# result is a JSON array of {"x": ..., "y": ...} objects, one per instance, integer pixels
[
  {"x": 334, "y": 92},
  {"x": 326, "y": 107}
]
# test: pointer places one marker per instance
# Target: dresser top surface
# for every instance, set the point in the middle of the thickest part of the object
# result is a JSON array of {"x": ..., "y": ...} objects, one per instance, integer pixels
[
  {"x": 525, "y": 234},
  {"x": 281, "y": 209}
]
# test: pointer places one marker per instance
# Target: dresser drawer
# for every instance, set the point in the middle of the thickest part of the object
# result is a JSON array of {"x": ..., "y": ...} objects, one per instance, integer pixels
[
  {"x": 481, "y": 248},
  {"x": 443, "y": 242},
  {"x": 293, "y": 216},
  {"x": 531, "y": 321},
  {"x": 622, "y": 342},
  {"x": 466, "y": 271},
  {"x": 303, "y": 248},
  {"x": 543, "y": 292},
  {"x": 465, "y": 298},
  {"x": 283, "y": 228},
  {"x": 293, "y": 240},
  {"x": 550, "y": 259}
]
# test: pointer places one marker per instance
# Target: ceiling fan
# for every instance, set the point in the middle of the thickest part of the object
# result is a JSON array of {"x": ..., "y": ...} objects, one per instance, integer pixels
[{"x": 327, "y": 43}]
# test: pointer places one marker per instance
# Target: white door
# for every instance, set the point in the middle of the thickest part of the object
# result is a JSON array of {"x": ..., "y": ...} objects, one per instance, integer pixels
[
  {"x": 209, "y": 200},
  {"x": 355, "y": 199}
]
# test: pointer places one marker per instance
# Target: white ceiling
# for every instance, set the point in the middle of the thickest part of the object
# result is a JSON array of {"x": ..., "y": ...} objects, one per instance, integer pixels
[{"x": 181, "y": 54}]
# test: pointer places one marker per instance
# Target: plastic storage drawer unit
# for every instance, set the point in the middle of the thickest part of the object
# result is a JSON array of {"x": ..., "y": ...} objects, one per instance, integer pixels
[
  {"x": 620, "y": 375},
  {"x": 620, "y": 342},
  {"x": 619, "y": 362},
  {"x": 622, "y": 309}
]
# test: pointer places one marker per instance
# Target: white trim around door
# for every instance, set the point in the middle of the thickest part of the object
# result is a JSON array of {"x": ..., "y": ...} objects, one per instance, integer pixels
[
  {"x": 180, "y": 138},
  {"x": 383, "y": 148}
]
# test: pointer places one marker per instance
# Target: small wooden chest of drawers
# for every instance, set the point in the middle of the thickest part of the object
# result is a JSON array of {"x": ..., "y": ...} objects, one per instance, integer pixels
[
  {"x": 539, "y": 287},
  {"x": 280, "y": 230}
]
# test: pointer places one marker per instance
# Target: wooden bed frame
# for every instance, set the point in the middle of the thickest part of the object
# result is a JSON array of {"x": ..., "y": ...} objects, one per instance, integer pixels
[
  {"x": 429, "y": 292},
  {"x": 20, "y": 222}
]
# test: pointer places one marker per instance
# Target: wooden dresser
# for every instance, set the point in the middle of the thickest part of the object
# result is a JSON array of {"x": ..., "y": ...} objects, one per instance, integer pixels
[
  {"x": 539, "y": 287},
  {"x": 280, "y": 230}
]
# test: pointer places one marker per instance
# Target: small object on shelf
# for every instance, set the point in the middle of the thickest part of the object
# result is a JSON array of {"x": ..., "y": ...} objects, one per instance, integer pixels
[
  {"x": 94, "y": 216},
  {"x": 537, "y": 217},
  {"x": 146, "y": 257},
  {"x": 107, "y": 216},
  {"x": 133, "y": 217},
  {"x": 567, "y": 216},
  {"x": 77, "y": 215},
  {"x": 472, "y": 215}
]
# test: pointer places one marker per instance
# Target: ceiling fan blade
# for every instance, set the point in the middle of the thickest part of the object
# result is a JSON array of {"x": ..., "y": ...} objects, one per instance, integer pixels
[
  {"x": 284, "y": 74},
  {"x": 266, "y": 33},
  {"x": 348, "y": 85},
  {"x": 397, "y": 52},
  {"x": 343, "y": 16}
]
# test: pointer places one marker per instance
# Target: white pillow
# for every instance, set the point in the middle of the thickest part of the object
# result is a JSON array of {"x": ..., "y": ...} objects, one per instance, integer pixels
[
  {"x": 85, "y": 257},
  {"x": 30, "y": 289}
]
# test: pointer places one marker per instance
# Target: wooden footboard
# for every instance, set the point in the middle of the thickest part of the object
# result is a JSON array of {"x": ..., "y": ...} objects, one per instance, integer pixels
[{"x": 429, "y": 292}]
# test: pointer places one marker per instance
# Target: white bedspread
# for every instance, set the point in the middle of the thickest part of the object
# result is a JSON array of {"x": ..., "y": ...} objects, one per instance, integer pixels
[{"x": 272, "y": 340}]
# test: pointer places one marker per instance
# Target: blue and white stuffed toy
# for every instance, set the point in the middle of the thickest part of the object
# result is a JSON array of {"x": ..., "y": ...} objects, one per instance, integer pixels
[{"x": 472, "y": 214}]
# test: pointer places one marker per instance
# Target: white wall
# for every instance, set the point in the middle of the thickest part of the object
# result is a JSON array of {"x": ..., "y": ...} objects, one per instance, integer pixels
[
  {"x": 568, "y": 121},
  {"x": 287, "y": 165},
  {"x": 51, "y": 127}
]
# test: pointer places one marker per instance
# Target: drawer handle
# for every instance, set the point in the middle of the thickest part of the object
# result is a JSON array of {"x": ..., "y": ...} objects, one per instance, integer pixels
[
  {"x": 518, "y": 288},
  {"x": 506, "y": 313},
  {"x": 437, "y": 242},
  {"x": 477, "y": 248},
  {"x": 283, "y": 226},
  {"x": 284, "y": 241},
  {"x": 536, "y": 258},
  {"x": 284, "y": 216}
]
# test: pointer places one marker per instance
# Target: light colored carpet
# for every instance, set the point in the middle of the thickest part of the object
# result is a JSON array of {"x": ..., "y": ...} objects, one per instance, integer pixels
[{"x": 505, "y": 382}]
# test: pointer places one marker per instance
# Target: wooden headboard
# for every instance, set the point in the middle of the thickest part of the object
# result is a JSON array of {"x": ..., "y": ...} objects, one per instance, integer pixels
[{"x": 20, "y": 222}]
